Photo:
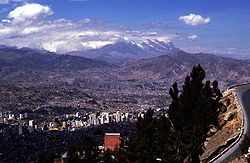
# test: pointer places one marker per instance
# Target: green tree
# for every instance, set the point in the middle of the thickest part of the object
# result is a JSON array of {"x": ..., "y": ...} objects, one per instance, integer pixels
[
  {"x": 181, "y": 135},
  {"x": 193, "y": 112},
  {"x": 89, "y": 150},
  {"x": 85, "y": 151},
  {"x": 72, "y": 154},
  {"x": 46, "y": 156},
  {"x": 142, "y": 141}
]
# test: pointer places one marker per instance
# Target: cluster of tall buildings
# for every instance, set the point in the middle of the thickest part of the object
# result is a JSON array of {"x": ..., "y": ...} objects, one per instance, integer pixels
[
  {"x": 105, "y": 117},
  {"x": 8, "y": 116},
  {"x": 78, "y": 120},
  {"x": 26, "y": 122},
  {"x": 69, "y": 122}
]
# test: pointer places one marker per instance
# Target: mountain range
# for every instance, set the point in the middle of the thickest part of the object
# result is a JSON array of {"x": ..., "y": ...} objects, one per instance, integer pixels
[
  {"x": 129, "y": 50},
  {"x": 175, "y": 66},
  {"x": 25, "y": 58},
  {"x": 155, "y": 61}
]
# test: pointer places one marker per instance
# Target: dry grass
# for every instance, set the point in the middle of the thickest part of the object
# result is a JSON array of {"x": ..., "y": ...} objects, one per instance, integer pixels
[{"x": 230, "y": 123}]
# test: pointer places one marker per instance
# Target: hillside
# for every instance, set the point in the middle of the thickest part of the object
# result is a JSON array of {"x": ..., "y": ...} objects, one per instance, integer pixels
[
  {"x": 39, "y": 60},
  {"x": 168, "y": 68}
]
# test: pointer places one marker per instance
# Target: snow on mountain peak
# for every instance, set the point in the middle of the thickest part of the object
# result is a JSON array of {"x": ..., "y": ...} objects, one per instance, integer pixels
[
  {"x": 142, "y": 46},
  {"x": 131, "y": 49}
]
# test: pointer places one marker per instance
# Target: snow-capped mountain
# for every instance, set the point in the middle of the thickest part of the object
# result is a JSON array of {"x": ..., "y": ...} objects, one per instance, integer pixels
[{"x": 125, "y": 50}]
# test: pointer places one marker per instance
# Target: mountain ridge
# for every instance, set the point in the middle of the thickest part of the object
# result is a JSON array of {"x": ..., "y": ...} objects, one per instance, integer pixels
[
  {"x": 175, "y": 67},
  {"x": 127, "y": 50},
  {"x": 168, "y": 68},
  {"x": 26, "y": 58}
]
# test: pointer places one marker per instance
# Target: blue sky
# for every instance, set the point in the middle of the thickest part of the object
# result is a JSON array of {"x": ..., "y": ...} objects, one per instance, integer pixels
[{"x": 215, "y": 26}]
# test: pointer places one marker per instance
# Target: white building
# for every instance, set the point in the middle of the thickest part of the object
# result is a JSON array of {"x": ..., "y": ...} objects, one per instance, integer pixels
[
  {"x": 104, "y": 118},
  {"x": 21, "y": 116},
  {"x": 31, "y": 123},
  {"x": 92, "y": 119},
  {"x": 11, "y": 116},
  {"x": 20, "y": 130},
  {"x": 31, "y": 126},
  {"x": 118, "y": 116}
]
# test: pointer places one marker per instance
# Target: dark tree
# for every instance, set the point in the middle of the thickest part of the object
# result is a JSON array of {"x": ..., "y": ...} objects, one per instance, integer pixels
[
  {"x": 181, "y": 135},
  {"x": 46, "y": 157},
  {"x": 88, "y": 149},
  {"x": 72, "y": 154},
  {"x": 193, "y": 112},
  {"x": 85, "y": 151},
  {"x": 141, "y": 145}
]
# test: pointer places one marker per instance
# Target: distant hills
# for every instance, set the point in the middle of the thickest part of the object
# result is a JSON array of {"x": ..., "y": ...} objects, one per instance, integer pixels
[
  {"x": 154, "y": 61},
  {"x": 175, "y": 66},
  {"x": 25, "y": 58}
]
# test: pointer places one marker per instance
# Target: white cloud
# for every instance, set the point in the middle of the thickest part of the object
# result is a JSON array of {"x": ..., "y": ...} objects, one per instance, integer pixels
[
  {"x": 66, "y": 35},
  {"x": 5, "y": 31},
  {"x": 193, "y": 37},
  {"x": 29, "y": 12},
  {"x": 7, "y": 1},
  {"x": 26, "y": 27},
  {"x": 193, "y": 19},
  {"x": 30, "y": 30},
  {"x": 6, "y": 21},
  {"x": 60, "y": 45},
  {"x": 95, "y": 44}
]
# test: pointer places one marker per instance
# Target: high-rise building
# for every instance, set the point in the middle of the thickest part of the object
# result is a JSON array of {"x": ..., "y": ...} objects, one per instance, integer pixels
[
  {"x": 20, "y": 130},
  {"x": 11, "y": 116},
  {"x": 111, "y": 118},
  {"x": 118, "y": 116},
  {"x": 31, "y": 126},
  {"x": 92, "y": 119},
  {"x": 104, "y": 118},
  {"x": 31, "y": 123},
  {"x": 100, "y": 119},
  {"x": 21, "y": 116}
]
